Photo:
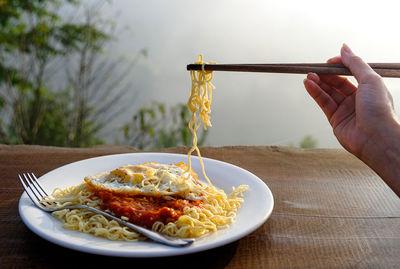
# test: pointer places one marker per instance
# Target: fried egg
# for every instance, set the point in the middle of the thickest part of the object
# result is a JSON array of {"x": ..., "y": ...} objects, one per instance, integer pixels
[{"x": 151, "y": 179}]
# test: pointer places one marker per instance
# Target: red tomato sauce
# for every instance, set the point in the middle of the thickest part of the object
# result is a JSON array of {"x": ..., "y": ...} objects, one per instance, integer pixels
[{"x": 145, "y": 210}]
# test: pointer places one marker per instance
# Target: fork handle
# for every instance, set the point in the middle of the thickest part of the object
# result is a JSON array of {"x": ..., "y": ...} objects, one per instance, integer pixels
[{"x": 156, "y": 236}]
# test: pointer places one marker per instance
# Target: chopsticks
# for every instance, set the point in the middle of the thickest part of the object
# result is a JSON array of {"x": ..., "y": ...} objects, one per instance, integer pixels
[{"x": 383, "y": 69}]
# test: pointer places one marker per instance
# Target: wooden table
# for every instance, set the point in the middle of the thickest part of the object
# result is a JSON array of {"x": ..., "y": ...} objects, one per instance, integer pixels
[{"x": 331, "y": 211}]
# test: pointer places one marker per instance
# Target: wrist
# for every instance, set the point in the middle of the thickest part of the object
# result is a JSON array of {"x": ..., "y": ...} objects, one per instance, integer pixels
[
  {"x": 382, "y": 154},
  {"x": 388, "y": 138}
]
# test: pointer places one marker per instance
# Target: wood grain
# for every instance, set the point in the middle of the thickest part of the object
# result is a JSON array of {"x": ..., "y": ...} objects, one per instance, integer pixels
[{"x": 331, "y": 211}]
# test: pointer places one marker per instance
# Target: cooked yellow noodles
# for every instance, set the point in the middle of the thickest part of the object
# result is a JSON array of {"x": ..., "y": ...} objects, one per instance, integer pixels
[
  {"x": 217, "y": 211},
  {"x": 86, "y": 221},
  {"x": 200, "y": 102}
]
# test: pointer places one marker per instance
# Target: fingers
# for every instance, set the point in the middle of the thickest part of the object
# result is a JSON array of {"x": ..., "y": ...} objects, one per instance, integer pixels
[
  {"x": 340, "y": 83},
  {"x": 337, "y": 59},
  {"x": 325, "y": 85},
  {"x": 323, "y": 99},
  {"x": 361, "y": 70},
  {"x": 343, "y": 85}
]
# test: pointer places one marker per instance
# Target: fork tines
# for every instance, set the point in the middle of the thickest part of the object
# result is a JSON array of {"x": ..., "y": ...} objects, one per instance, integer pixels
[{"x": 33, "y": 189}]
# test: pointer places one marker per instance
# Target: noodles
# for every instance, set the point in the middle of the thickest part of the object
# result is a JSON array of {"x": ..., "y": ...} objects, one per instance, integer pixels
[
  {"x": 215, "y": 211},
  {"x": 86, "y": 221},
  {"x": 166, "y": 198},
  {"x": 200, "y": 101}
]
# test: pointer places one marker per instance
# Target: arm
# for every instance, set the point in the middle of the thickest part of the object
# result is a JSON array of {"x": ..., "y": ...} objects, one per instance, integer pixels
[
  {"x": 362, "y": 117},
  {"x": 382, "y": 154}
]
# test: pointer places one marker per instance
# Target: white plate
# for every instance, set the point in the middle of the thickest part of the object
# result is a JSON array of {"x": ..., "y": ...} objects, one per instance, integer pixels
[{"x": 257, "y": 207}]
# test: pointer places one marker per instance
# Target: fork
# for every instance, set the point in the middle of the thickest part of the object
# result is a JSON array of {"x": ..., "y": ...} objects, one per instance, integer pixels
[{"x": 36, "y": 193}]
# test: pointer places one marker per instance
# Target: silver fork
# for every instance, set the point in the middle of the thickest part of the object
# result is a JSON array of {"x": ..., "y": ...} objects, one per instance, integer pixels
[{"x": 36, "y": 193}]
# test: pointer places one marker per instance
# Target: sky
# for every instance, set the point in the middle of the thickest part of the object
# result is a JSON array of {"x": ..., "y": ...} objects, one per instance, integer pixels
[{"x": 250, "y": 108}]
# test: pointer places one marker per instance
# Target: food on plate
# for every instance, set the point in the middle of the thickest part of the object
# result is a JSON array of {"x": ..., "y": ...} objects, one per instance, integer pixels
[
  {"x": 165, "y": 198},
  {"x": 168, "y": 198}
]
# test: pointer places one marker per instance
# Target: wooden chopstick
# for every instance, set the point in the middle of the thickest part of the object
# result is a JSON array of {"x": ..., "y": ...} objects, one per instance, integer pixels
[{"x": 383, "y": 69}]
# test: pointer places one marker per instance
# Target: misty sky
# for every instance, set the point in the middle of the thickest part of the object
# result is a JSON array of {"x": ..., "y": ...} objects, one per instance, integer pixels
[{"x": 251, "y": 108}]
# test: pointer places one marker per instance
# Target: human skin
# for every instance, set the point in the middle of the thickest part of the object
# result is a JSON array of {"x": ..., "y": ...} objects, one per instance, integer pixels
[{"x": 362, "y": 116}]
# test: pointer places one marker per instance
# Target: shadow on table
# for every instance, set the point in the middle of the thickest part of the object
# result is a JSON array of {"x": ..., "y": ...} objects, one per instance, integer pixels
[{"x": 48, "y": 255}]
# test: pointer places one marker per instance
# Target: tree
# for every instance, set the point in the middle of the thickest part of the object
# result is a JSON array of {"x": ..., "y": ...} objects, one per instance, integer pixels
[
  {"x": 56, "y": 86},
  {"x": 98, "y": 84},
  {"x": 38, "y": 49},
  {"x": 32, "y": 37},
  {"x": 308, "y": 142}
]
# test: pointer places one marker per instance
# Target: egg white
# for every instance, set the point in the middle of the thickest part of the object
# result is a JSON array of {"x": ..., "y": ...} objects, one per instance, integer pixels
[{"x": 149, "y": 179}]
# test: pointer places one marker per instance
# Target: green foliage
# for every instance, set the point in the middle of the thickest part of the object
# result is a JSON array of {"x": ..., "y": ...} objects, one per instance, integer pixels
[
  {"x": 37, "y": 48},
  {"x": 51, "y": 129},
  {"x": 32, "y": 37},
  {"x": 72, "y": 36},
  {"x": 158, "y": 126},
  {"x": 308, "y": 142}
]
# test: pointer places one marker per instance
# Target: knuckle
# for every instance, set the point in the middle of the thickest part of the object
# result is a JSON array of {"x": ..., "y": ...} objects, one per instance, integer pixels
[
  {"x": 372, "y": 78},
  {"x": 355, "y": 59}
]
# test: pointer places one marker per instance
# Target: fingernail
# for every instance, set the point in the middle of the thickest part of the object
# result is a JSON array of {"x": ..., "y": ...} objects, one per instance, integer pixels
[
  {"x": 311, "y": 74},
  {"x": 313, "y": 77},
  {"x": 346, "y": 48}
]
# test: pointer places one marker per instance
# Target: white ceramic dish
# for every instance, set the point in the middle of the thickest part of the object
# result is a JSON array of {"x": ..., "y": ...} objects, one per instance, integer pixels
[{"x": 257, "y": 207}]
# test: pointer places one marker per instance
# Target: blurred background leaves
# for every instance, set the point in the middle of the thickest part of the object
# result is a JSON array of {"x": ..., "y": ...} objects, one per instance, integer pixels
[
  {"x": 39, "y": 48},
  {"x": 58, "y": 87}
]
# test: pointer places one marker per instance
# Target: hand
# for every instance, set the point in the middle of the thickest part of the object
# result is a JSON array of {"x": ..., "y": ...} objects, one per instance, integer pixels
[{"x": 359, "y": 115}]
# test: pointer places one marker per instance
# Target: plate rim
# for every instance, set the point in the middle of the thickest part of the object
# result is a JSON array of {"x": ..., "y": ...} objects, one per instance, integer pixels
[{"x": 147, "y": 254}]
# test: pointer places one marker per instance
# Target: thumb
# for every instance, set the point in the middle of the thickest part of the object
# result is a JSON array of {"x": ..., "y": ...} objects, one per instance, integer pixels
[{"x": 360, "y": 69}]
